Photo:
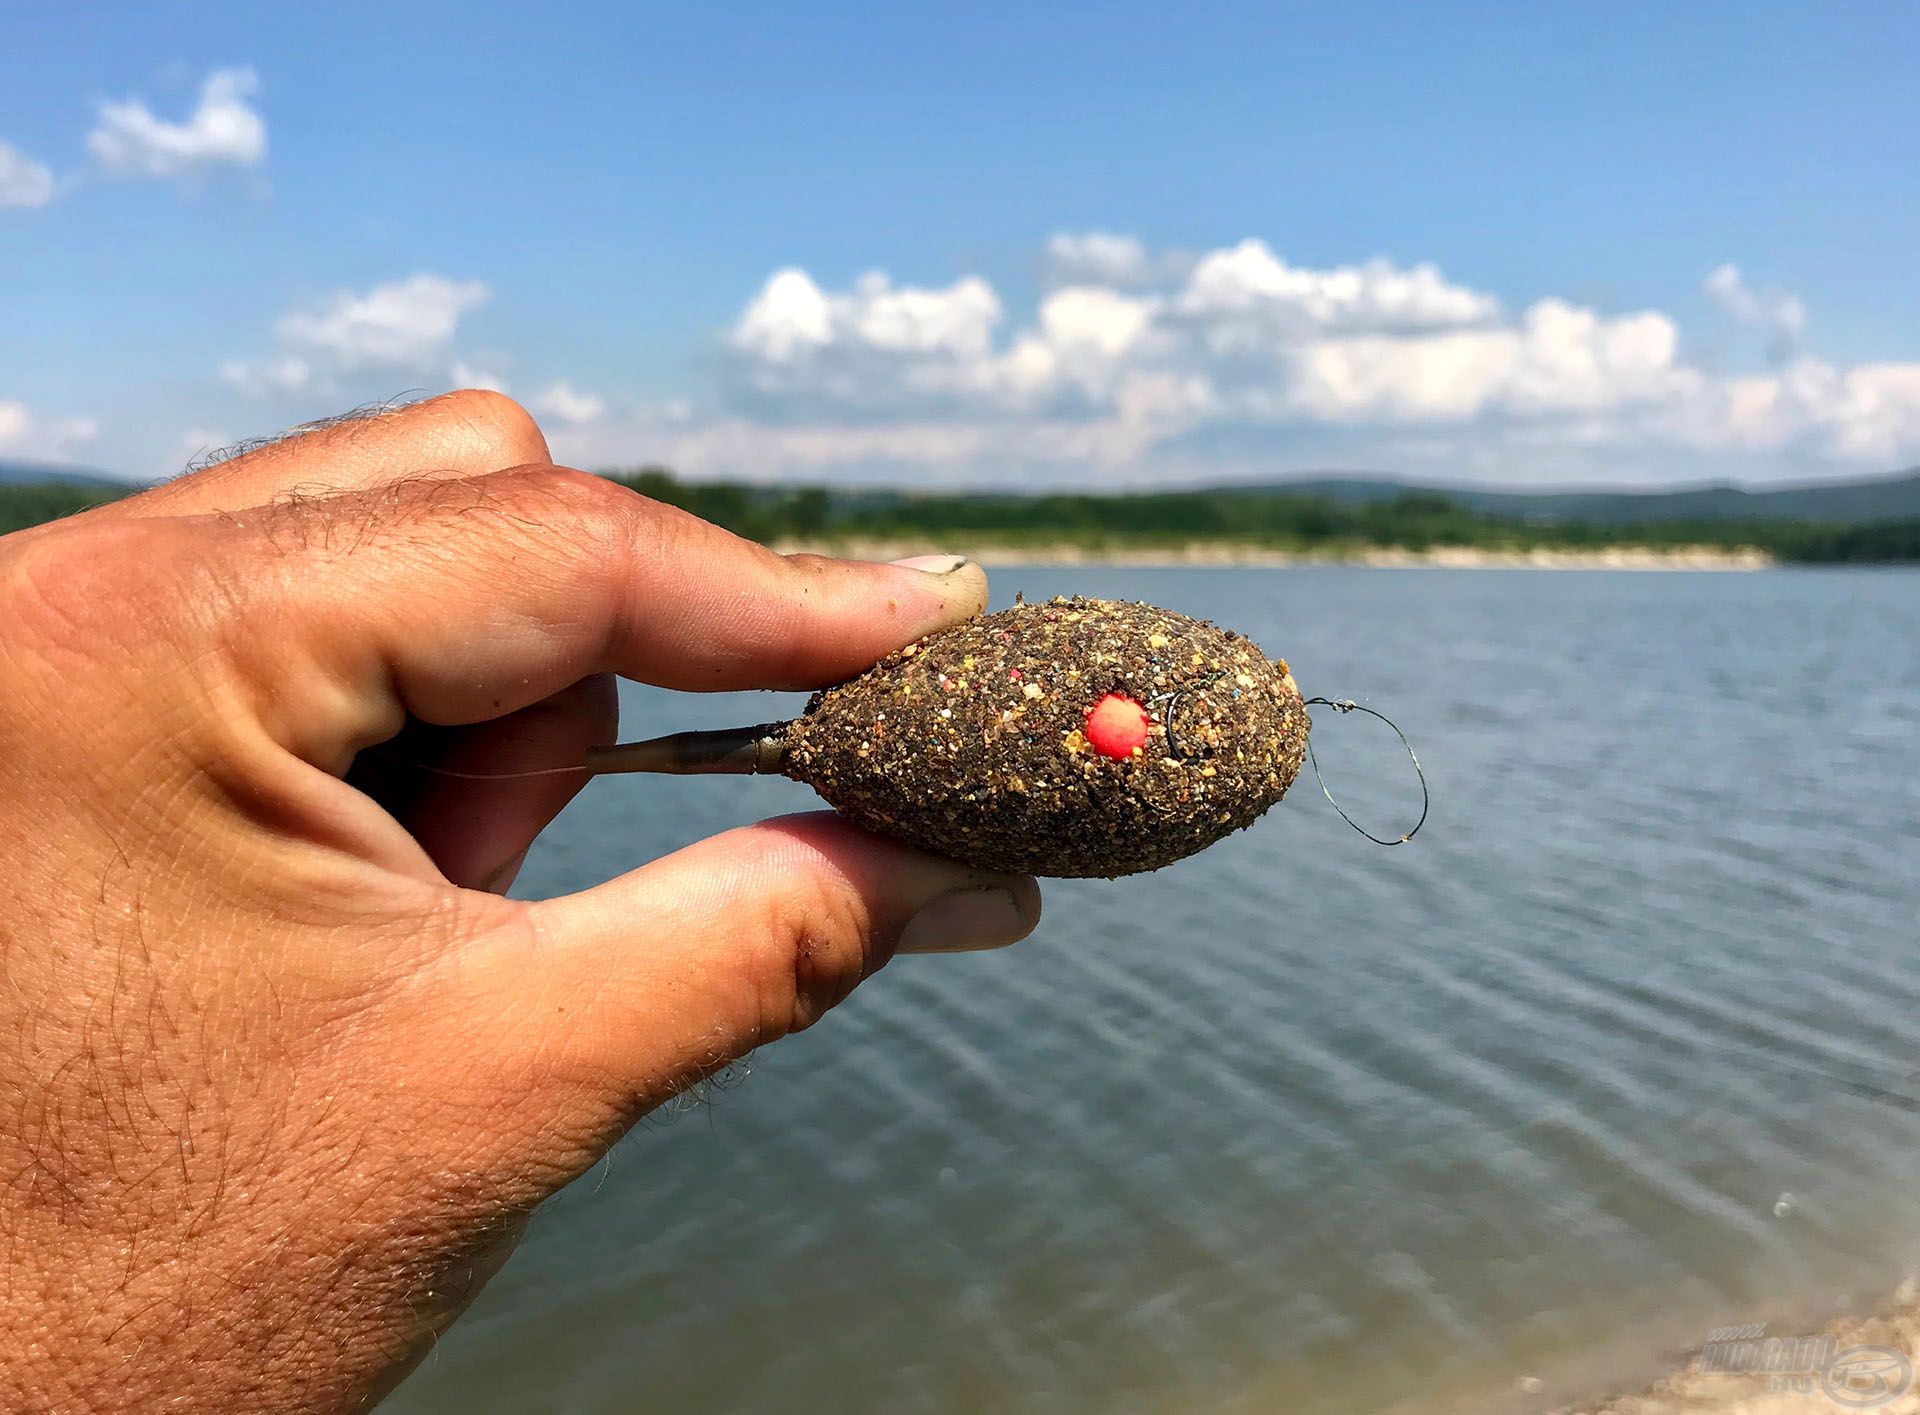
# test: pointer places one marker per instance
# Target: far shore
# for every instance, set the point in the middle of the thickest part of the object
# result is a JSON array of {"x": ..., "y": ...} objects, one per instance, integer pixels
[{"x": 1221, "y": 553}]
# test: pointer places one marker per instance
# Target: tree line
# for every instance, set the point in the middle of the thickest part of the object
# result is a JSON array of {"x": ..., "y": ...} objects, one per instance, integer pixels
[{"x": 1272, "y": 520}]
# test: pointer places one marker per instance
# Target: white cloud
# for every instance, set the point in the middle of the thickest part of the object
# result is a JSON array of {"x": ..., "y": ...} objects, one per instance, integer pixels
[
  {"x": 788, "y": 317},
  {"x": 1097, "y": 258},
  {"x": 563, "y": 401},
  {"x": 1141, "y": 365},
  {"x": 403, "y": 327},
  {"x": 284, "y": 373},
  {"x": 1246, "y": 291},
  {"x": 26, "y": 435},
  {"x": 223, "y": 128},
  {"x": 1085, "y": 343},
  {"x": 792, "y": 318},
  {"x": 1777, "y": 313},
  {"x": 1233, "y": 335},
  {"x": 397, "y": 325},
  {"x": 876, "y": 345},
  {"x": 1559, "y": 359},
  {"x": 1868, "y": 414},
  {"x": 465, "y": 375},
  {"x": 1107, "y": 258},
  {"x": 23, "y": 182}
]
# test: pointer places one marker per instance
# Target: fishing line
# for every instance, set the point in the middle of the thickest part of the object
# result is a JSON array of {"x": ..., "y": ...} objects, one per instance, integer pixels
[
  {"x": 399, "y": 760},
  {"x": 1347, "y": 705}
]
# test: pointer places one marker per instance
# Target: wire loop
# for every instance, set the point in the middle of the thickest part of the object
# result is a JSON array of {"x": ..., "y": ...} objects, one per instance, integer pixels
[{"x": 1347, "y": 705}]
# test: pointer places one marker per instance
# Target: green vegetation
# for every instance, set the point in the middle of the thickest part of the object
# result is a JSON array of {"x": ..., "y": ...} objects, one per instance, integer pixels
[
  {"x": 1266, "y": 520},
  {"x": 1269, "y": 520},
  {"x": 30, "y": 503}
]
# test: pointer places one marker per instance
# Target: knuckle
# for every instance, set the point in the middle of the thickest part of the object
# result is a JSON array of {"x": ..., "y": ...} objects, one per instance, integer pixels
[
  {"x": 585, "y": 503},
  {"x": 816, "y": 949},
  {"x": 499, "y": 424},
  {"x": 611, "y": 526},
  {"x": 568, "y": 489},
  {"x": 807, "y": 566}
]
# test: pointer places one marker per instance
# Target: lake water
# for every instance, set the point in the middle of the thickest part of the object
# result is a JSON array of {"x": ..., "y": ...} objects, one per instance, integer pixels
[{"x": 1304, "y": 1124}]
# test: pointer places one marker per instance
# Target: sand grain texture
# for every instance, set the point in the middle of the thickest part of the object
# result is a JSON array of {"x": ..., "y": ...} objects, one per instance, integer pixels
[{"x": 972, "y": 742}]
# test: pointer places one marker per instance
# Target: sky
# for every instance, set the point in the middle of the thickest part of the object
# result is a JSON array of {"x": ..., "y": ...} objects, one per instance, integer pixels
[{"x": 944, "y": 245}]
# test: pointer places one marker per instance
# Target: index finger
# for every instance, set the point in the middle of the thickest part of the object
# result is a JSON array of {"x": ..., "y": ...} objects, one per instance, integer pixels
[
  {"x": 461, "y": 434},
  {"x": 468, "y": 600}
]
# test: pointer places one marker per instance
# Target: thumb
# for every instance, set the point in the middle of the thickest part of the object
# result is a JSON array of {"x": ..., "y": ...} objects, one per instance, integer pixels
[{"x": 654, "y": 979}]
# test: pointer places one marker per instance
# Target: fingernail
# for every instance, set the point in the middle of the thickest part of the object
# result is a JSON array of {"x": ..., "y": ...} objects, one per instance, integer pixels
[
  {"x": 965, "y": 921},
  {"x": 931, "y": 564}
]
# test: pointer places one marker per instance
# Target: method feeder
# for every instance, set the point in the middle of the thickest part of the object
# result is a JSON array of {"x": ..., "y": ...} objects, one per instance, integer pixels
[{"x": 1079, "y": 737}]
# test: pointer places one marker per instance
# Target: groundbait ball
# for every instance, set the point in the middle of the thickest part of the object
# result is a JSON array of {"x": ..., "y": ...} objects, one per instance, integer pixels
[{"x": 1077, "y": 737}]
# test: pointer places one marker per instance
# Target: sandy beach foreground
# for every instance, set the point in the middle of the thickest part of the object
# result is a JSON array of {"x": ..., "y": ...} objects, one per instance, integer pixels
[
  {"x": 1204, "y": 553},
  {"x": 1852, "y": 1363}
]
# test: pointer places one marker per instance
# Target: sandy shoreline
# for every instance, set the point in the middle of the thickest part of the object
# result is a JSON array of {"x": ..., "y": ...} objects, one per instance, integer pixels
[
  {"x": 1219, "y": 553},
  {"x": 1867, "y": 1362}
]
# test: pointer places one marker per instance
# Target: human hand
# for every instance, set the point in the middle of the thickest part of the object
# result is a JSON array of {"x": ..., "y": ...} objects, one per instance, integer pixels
[{"x": 281, "y": 1072}]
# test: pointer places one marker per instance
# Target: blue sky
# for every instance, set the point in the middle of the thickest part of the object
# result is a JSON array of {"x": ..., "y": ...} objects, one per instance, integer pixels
[{"x": 942, "y": 245}]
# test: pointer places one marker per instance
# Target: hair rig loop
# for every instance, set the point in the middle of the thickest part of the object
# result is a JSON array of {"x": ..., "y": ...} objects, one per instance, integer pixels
[{"x": 1347, "y": 705}]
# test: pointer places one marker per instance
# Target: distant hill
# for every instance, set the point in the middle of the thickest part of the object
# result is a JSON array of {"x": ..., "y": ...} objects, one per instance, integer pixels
[
  {"x": 1847, "y": 503},
  {"x": 43, "y": 473}
]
